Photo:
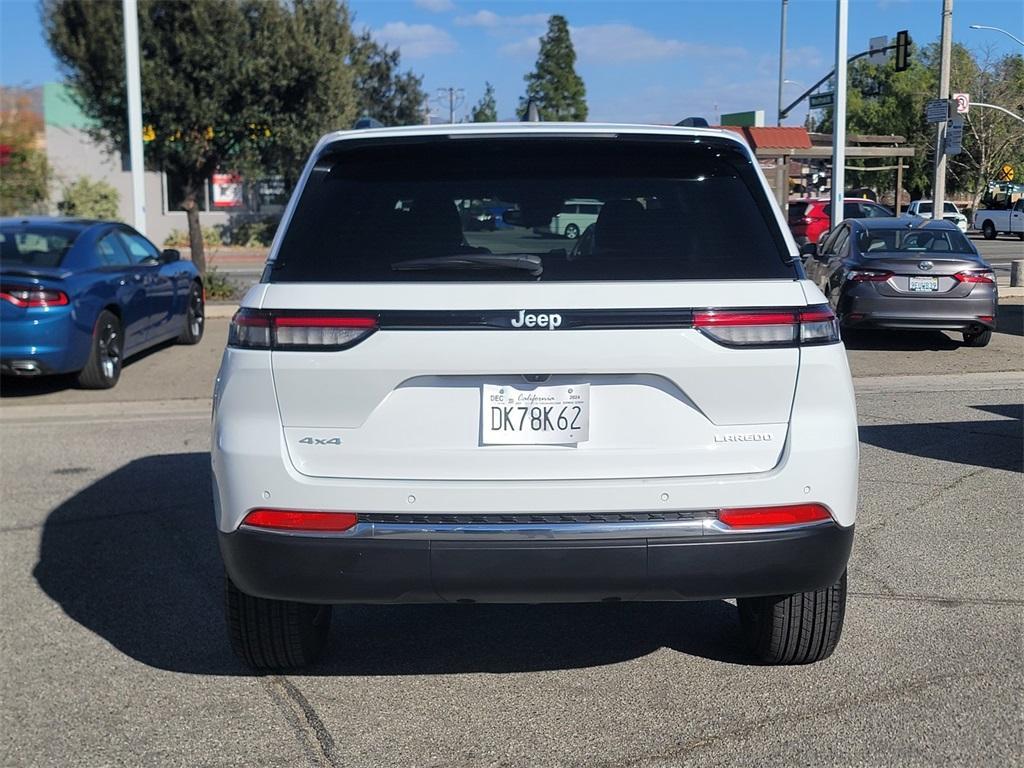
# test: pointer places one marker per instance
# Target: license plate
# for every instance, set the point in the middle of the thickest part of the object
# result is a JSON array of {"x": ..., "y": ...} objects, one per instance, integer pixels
[
  {"x": 537, "y": 416},
  {"x": 924, "y": 284}
]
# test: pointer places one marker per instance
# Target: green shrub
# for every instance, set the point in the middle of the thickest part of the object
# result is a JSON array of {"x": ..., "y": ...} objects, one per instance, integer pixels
[
  {"x": 89, "y": 199},
  {"x": 218, "y": 286},
  {"x": 176, "y": 238},
  {"x": 252, "y": 234}
]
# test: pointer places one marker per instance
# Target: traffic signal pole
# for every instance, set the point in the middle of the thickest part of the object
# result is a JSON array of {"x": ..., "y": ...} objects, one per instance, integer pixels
[
  {"x": 939, "y": 187},
  {"x": 839, "y": 114}
]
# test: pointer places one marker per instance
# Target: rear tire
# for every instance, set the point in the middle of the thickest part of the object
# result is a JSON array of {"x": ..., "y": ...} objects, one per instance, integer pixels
[
  {"x": 572, "y": 232},
  {"x": 106, "y": 355},
  {"x": 795, "y": 629},
  {"x": 988, "y": 229},
  {"x": 274, "y": 634},
  {"x": 978, "y": 339},
  {"x": 195, "y": 316}
]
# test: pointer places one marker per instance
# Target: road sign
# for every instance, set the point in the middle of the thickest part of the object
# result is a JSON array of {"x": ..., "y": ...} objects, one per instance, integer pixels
[
  {"x": 963, "y": 103},
  {"x": 1006, "y": 172},
  {"x": 937, "y": 111},
  {"x": 821, "y": 100},
  {"x": 955, "y": 135},
  {"x": 878, "y": 53},
  {"x": 753, "y": 118}
]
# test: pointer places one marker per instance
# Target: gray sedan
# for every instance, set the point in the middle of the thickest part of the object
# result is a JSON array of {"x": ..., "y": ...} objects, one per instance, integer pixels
[{"x": 901, "y": 273}]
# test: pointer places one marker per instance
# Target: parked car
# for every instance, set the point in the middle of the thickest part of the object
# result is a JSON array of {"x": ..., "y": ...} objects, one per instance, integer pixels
[
  {"x": 419, "y": 419},
  {"x": 809, "y": 219},
  {"x": 924, "y": 208},
  {"x": 80, "y": 296},
  {"x": 904, "y": 273},
  {"x": 573, "y": 219},
  {"x": 1010, "y": 221}
]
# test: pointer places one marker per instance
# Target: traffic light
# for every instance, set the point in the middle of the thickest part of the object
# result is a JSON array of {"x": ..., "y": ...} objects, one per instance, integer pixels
[{"x": 902, "y": 50}]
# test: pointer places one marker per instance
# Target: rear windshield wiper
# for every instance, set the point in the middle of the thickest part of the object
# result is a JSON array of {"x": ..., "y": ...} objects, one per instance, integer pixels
[{"x": 528, "y": 262}]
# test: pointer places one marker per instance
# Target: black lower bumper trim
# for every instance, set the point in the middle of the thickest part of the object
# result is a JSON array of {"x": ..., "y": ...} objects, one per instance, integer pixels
[{"x": 364, "y": 570}]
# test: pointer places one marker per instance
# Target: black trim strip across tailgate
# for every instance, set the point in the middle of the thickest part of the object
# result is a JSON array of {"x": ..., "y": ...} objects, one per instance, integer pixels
[{"x": 543, "y": 319}]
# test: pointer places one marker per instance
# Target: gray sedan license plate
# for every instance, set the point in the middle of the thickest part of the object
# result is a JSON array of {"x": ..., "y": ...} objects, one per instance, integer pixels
[
  {"x": 537, "y": 416},
  {"x": 924, "y": 284}
]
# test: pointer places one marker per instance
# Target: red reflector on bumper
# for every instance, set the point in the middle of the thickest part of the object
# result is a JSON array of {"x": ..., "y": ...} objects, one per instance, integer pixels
[
  {"x": 292, "y": 520},
  {"x": 795, "y": 514}
]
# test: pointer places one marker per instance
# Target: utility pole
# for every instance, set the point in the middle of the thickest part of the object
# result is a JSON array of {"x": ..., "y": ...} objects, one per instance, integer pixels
[
  {"x": 133, "y": 81},
  {"x": 939, "y": 187},
  {"x": 782, "y": 59},
  {"x": 455, "y": 97},
  {"x": 839, "y": 114}
]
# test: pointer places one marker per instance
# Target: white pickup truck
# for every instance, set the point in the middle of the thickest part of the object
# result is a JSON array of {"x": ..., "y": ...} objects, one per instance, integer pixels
[{"x": 1009, "y": 220}]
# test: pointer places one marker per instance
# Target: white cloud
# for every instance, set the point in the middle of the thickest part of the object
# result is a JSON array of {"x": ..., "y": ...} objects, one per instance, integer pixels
[
  {"x": 435, "y": 6},
  {"x": 624, "y": 42},
  {"x": 616, "y": 43},
  {"x": 491, "y": 20},
  {"x": 525, "y": 48},
  {"x": 415, "y": 40}
]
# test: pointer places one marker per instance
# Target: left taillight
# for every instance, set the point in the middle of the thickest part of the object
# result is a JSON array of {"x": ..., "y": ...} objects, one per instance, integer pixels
[
  {"x": 769, "y": 328},
  {"x": 28, "y": 296},
  {"x": 318, "y": 332}
]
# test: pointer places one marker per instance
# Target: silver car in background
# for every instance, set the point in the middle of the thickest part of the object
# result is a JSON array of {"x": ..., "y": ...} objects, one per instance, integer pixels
[{"x": 905, "y": 273}]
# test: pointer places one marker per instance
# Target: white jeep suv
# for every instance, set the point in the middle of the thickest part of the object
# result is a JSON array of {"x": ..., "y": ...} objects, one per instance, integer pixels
[{"x": 407, "y": 412}]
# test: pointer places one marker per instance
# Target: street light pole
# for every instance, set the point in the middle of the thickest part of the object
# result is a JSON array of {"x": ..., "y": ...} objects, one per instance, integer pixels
[
  {"x": 782, "y": 59},
  {"x": 998, "y": 29},
  {"x": 133, "y": 81},
  {"x": 839, "y": 114},
  {"x": 939, "y": 187}
]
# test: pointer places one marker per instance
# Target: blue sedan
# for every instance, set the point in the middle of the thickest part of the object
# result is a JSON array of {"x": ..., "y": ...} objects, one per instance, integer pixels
[{"x": 80, "y": 296}]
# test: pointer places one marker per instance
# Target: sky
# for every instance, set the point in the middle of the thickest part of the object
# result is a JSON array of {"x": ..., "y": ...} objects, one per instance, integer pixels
[{"x": 642, "y": 61}]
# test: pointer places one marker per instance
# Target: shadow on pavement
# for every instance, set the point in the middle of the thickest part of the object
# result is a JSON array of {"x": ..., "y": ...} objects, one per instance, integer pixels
[
  {"x": 995, "y": 443},
  {"x": 899, "y": 341},
  {"x": 28, "y": 386},
  {"x": 133, "y": 558}
]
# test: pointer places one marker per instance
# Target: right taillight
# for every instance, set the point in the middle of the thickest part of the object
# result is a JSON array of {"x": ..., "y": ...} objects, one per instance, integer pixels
[
  {"x": 309, "y": 331},
  {"x": 770, "y": 327},
  {"x": 975, "y": 276}
]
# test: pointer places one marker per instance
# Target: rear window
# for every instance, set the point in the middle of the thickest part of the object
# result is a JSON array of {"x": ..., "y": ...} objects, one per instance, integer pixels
[
  {"x": 885, "y": 242},
  {"x": 658, "y": 210},
  {"x": 35, "y": 245},
  {"x": 797, "y": 211}
]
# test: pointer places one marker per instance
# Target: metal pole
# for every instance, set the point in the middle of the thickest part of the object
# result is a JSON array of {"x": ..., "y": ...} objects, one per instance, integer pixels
[
  {"x": 899, "y": 186},
  {"x": 939, "y": 187},
  {"x": 133, "y": 81},
  {"x": 451, "y": 105},
  {"x": 839, "y": 114},
  {"x": 782, "y": 59}
]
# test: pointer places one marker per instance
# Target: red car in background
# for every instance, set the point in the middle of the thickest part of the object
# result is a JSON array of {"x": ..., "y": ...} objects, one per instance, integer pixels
[{"x": 810, "y": 218}]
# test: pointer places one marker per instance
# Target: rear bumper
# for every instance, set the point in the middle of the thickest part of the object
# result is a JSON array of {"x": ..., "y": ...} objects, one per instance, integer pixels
[
  {"x": 42, "y": 341},
  {"x": 340, "y": 568},
  {"x": 863, "y": 307}
]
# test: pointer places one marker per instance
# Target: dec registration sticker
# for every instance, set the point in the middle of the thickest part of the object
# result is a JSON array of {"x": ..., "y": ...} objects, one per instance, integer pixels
[{"x": 537, "y": 416}]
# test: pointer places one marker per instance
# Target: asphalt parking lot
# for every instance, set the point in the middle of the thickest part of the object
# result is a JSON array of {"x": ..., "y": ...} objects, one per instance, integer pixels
[{"x": 114, "y": 651}]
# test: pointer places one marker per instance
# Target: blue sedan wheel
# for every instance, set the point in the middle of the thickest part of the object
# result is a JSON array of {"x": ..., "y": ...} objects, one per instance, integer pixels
[
  {"x": 105, "y": 359},
  {"x": 194, "y": 317}
]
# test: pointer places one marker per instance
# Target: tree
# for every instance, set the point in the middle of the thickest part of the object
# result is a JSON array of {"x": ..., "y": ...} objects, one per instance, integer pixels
[
  {"x": 486, "y": 110},
  {"x": 991, "y": 138},
  {"x": 226, "y": 84},
  {"x": 553, "y": 86},
  {"x": 384, "y": 94},
  {"x": 24, "y": 172},
  {"x": 89, "y": 199}
]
